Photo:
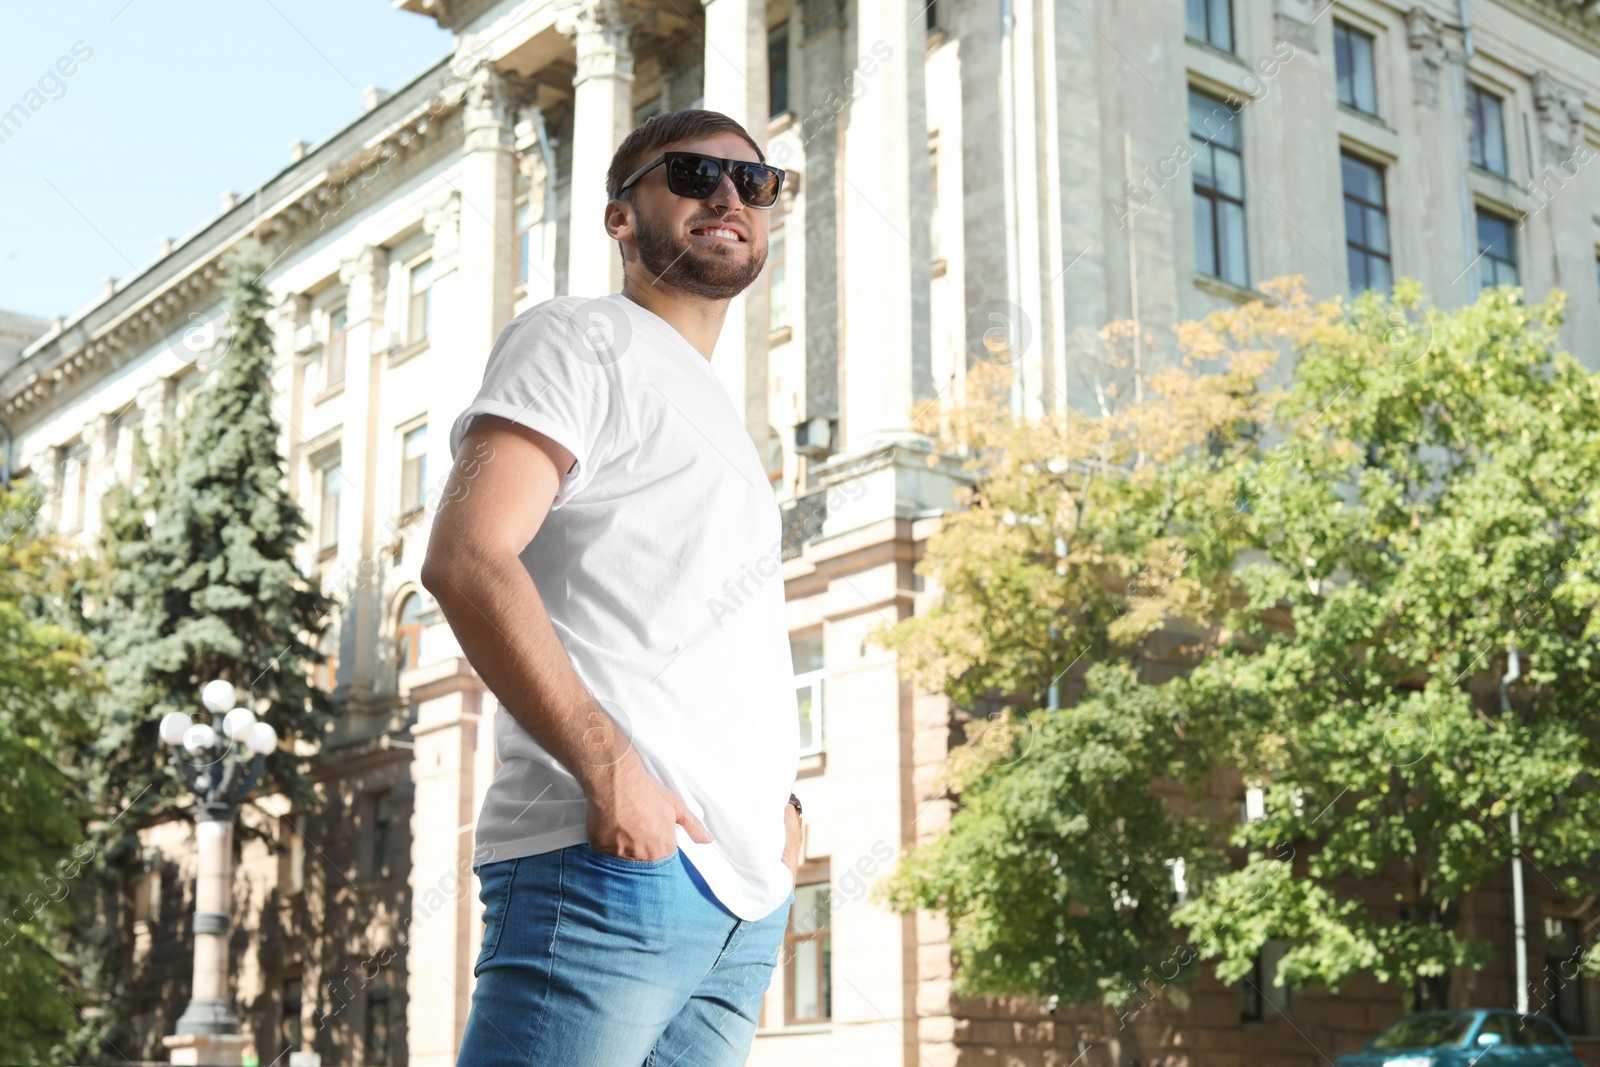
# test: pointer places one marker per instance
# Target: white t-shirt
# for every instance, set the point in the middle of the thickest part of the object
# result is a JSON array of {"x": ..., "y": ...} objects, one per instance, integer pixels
[{"x": 660, "y": 566}]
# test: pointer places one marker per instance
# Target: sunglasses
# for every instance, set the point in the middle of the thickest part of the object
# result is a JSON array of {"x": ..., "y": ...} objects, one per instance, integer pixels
[{"x": 696, "y": 176}]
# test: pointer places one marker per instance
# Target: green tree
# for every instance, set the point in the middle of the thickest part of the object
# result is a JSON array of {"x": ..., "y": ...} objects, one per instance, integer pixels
[
  {"x": 1340, "y": 564},
  {"x": 45, "y": 689},
  {"x": 197, "y": 581}
]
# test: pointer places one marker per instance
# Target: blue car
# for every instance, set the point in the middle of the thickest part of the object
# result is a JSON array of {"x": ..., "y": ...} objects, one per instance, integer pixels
[{"x": 1468, "y": 1039}]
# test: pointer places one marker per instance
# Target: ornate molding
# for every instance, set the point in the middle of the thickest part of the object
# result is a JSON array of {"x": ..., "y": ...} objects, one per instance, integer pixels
[
  {"x": 1295, "y": 21},
  {"x": 1433, "y": 47},
  {"x": 1560, "y": 108},
  {"x": 602, "y": 33}
]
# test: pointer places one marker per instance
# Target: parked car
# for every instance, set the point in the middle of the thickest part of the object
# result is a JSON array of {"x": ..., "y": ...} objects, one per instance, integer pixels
[{"x": 1479, "y": 1038}]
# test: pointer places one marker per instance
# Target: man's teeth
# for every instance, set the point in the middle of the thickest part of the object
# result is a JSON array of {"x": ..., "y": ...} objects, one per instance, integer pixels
[{"x": 718, "y": 233}]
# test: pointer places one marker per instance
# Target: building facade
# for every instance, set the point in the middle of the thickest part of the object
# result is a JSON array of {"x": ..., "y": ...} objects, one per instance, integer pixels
[{"x": 959, "y": 170}]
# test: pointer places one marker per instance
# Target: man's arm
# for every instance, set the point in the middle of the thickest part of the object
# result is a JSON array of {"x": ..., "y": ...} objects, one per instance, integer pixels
[{"x": 493, "y": 607}]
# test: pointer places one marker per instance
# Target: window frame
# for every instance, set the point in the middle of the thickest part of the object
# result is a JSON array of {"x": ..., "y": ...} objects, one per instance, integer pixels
[
  {"x": 408, "y": 635},
  {"x": 329, "y": 467},
  {"x": 823, "y": 937},
  {"x": 1351, "y": 245},
  {"x": 1512, "y": 261},
  {"x": 382, "y": 840},
  {"x": 335, "y": 342},
  {"x": 1213, "y": 196},
  {"x": 1478, "y": 137},
  {"x": 1352, "y": 35},
  {"x": 421, "y": 265},
  {"x": 778, "y": 278},
  {"x": 1207, "y": 21},
  {"x": 407, "y": 465},
  {"x": 778, "y": 70}
]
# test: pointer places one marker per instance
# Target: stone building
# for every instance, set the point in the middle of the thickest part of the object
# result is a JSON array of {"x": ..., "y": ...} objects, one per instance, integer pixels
[{"x": 951, "y": 174}]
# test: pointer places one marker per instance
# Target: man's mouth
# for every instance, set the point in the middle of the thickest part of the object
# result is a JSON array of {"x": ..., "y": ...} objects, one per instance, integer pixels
[{"x": 718, "y": 233}]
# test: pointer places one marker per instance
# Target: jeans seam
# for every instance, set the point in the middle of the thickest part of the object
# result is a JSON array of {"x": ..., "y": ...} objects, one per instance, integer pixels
[{"x": 550, "y": 961}]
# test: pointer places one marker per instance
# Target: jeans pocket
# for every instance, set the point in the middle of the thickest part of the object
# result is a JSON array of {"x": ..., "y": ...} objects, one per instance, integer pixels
[
  {"x": 497, "y": 879},
  {"x": 622, "y": 863}
]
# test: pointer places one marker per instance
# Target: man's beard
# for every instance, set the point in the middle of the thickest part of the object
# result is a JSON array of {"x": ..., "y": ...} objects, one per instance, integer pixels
[{"x": 708, "y": 272}]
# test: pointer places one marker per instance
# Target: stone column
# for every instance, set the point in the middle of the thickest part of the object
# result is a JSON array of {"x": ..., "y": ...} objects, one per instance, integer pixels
[
  {"x": 736, "y": 85},
  {"x": 474, "y": 262},
  {"x": 366, "y": 276},
  {"x": 1556, "y": 193},
  {"x": 444, "y": 927},
  {"x": 1440, "y": 200},
  {"x": 208, "y": 1030},
  {"x": 602, "y": 92},
  {"x": 102, "y": 470},
  {"x": 884, "y": 227}
]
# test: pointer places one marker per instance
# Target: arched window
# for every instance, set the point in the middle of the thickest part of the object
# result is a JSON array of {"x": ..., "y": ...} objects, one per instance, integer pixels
[{"x": 408, "y": 633}]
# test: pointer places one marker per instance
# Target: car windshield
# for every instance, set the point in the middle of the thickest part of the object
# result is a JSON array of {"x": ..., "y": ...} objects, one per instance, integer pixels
[{"x": 1425, "y": 1031}]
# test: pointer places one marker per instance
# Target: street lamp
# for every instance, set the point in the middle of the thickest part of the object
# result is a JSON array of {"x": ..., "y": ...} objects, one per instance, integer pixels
[{"x": 219, "y": 768}]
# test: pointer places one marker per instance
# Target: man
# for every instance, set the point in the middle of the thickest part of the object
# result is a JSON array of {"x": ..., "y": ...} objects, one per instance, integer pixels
[{"x": 637, "y": 848}]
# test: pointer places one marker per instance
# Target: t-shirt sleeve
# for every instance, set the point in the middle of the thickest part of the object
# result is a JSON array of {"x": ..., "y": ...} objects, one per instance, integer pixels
[{"x": 535, "y": 378}]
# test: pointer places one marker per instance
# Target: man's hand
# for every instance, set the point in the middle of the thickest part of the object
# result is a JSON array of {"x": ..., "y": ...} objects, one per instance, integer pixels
[
  {"x": 791, "y": 843},
  {"x": 632, "y": 815}
]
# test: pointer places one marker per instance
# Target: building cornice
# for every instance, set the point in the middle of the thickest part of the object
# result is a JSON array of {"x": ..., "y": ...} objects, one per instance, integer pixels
[
  {"x": 297, "y": 198},
  {"x": 1574, "y": 20}
]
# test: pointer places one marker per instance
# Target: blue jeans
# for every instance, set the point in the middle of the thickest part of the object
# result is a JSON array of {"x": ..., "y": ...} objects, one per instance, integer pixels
[{"x": 591, "y": 960}]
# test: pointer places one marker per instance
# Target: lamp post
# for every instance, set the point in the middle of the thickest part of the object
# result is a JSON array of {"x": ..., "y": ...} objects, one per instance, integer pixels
[{"x": 220, "y": 768}]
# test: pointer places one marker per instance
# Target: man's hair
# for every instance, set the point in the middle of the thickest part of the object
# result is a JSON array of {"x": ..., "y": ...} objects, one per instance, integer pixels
[{"x": 659, "y": 131}]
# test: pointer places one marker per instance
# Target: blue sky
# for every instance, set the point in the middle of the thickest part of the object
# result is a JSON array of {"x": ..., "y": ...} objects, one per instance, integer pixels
[{"x": 177, "y": 102}]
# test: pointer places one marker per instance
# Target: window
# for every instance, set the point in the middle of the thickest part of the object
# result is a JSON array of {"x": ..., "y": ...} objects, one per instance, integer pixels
[
  {"x": 325, "y": 675},
  {"x": 1563, "y": 981},
  {"x": 147, "y": 898},
  {"x": 778, "y": 69},
  {"x": 382, "y": 824},
  {"x": 408, "y": 632},
  {"x": 1503, "y": 1025},
  {"x": 522, "y": 228},
  {"x": 328, "y": 511},
  {"x": 1366, "y": 225},
  {"x": 778, "y": 278},
  {"x": 1497, "y": 245},
  {"x": 1254, "y": 805},
  {"x": 1352, "y": 53},
  {"x": 1488, "y": 142},
  {"x": 292, "y": 861},
  {"x": 1219, "y": 233},
  {"x": 808, "y": 955},
  {"x": 1211, "y": 21},
  {"x": 376, "y": 1041},
  {"x": 333, "y": 362},
  {"x": 413, "y": 469},
  {"x": 806, "y": 650},
  {"x": 419, "y": 313},
  {"x": 289, "y": 1036},
  {"x": 74, "y": 468},
  {"x": 1260, "y": 988},
  {"x": 933, "y": 16}
]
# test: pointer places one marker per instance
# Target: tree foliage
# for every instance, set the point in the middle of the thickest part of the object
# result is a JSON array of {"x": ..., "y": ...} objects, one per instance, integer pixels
[
  {"x": 45, "y": 688},
  {"x": 1339, "y": 519},
  {"x": 196, "y": 580}
]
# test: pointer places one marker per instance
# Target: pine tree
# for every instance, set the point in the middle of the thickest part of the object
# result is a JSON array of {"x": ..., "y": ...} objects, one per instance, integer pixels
[{"x": 196, "y": 581}]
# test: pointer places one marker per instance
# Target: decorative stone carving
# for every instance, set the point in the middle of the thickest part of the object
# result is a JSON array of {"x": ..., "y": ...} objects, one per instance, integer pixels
[
  {"x": 1295, "y": 21},
  {"x": 487, "y": 109},
  {"x": 443, "y": 222},
  {"x": 1432, "y": 47},
  {"x": 1560, "y": 108},
  {"x": 367, "y": 275},
  {"x": 602, "y": 34}
]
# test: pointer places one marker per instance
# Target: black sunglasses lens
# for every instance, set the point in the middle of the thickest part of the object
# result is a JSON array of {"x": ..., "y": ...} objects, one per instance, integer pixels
[
  {"x": 757, "y": 183},
  {"x": 693, "y": 176}
]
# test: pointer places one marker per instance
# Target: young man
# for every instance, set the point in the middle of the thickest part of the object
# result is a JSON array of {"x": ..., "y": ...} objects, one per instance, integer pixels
[{"x": 637, "y": 847}]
